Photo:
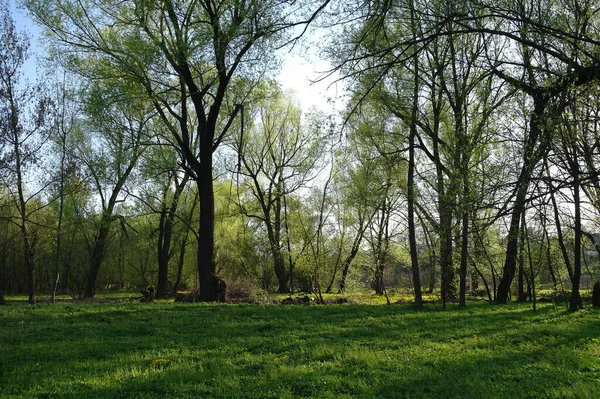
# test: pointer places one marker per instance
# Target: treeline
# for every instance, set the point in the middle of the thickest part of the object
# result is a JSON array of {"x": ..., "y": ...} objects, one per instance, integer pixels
[{"x": 466, "y": 157}]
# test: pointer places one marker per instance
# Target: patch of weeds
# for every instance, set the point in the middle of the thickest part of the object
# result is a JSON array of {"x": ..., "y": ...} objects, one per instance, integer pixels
[{"x": 159, "y": 364}]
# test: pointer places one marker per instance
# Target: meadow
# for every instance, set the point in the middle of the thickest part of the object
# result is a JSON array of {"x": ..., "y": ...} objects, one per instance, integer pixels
[{"x": 173, "y": 350}]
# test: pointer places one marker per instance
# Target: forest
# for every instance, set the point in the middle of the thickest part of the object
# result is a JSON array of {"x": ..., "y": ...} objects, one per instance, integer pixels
[{"x": 154, "y": 147}]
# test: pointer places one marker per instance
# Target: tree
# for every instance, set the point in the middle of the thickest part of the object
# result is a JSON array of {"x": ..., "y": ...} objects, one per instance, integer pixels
[
  {"x": 376, "y": 141},
  {"x": 110, "y": 143},
  {"x": 25, "y": 114},
  {"x": 353, "y": 190},
  {"x": 278, "y": 157},
  {"x": 167, "y": 182}
]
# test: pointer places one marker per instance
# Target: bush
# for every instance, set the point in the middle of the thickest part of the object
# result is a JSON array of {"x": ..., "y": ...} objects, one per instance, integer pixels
[{"x": 244, "y": 291}]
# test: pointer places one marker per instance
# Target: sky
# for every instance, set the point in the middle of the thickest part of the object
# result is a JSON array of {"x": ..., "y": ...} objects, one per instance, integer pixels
[{"x": 297, "y": 73}]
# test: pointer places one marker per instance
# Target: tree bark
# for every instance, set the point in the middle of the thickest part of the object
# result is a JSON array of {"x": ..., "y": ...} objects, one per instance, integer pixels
[
  {"x": 97, "y": 256},
  {"x": 206, "y": 235}
]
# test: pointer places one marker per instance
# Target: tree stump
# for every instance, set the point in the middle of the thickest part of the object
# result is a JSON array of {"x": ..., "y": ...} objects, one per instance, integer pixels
[
  {"x": 596, "y": 295},
  {"x": 148, "y": 294},
  {"x": 221, "y": 290}
]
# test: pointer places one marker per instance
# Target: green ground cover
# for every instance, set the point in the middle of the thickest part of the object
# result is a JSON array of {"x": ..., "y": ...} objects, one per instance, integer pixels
[{"x": 171, "y": 350}]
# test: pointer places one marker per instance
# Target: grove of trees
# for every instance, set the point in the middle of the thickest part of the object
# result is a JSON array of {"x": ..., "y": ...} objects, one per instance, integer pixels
[{"x": 156, "y": 148}]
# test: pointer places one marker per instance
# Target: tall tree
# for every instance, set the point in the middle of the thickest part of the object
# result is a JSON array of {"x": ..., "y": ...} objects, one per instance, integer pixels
[
  {"x": 24, "y": 128},
  {"x": 110, "y": 144},
  {"x": 278, "y": 156},
  {"x": 166, "y": 183}
]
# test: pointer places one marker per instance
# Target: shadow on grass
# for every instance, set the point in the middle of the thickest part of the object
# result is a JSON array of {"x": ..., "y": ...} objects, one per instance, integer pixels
[{"x": 196, "y": 350}]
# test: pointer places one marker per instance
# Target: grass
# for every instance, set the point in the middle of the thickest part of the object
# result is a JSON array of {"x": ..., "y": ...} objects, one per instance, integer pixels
[{"x": 171, "y": 350}]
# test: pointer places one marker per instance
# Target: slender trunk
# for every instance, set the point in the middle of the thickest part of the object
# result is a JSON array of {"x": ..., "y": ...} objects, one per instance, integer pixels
[
  {"x": 29, "y": 262},
  {"x": 380, "y": 250},
  {"x": 165, "y": 252},
  {"x": 457, "y": 99},
  {"x": 180, "y": 265},
  {"x": 446, "y": 265},
  {"x": 163, "y": 246},
  {"x": 522, "y": 294},
  {"x": 549, "y": 260},
  {"x": 104, "y": 229},
  {"x": 487, "y": 287},
  {"x": 61, "y": 205},
  {"x": 182, "y": 249},
  {"x": 448, "y": 289},
  {"x": 28, "y": 251},
  {"x": 531, "y": 277},
  {"x": 353, "y": 252},
  {"x": 575, "y": 302},
  {"x": 432, "y": 258},
  {"x": 494, "y": 282},
  {"x": 559, "y": 234},
  {"x": 531, "y": 156},
  {"x": 462, "y": 300},
  {"x": 412, "y": 239},
  {"x": 508, "y": 273},
  {"x": 338, "y": 262},
  {"x": 275, "y": 235},
  {"x": 289, "y": 244}
]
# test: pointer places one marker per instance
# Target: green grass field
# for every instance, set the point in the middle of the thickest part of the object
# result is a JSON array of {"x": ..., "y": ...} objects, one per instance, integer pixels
[{"x": 171, "y": 350}]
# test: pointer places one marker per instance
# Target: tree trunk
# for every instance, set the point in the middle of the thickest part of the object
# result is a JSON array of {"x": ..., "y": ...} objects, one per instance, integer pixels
[
  {"x": 448, "y": 289},
  {"x": 446, "y": 265},
  {"x": 531, "y": 278},
  {"x": 206, "y": 234},
  {"x": 462, "y": 300},
  {"x": 28, "y": 251},
  {"x": 531, "y": 156},
  {"x": 180, "y": 265},
  {"x": 97, "y": 257},
  {"x": 209, "y": 282},
  {"x": 381, "y": 248},
  {"x": 522, "y": 294},
  {"x": 596, "y": 295},
  {"x": 165, "y": 235},
  {"x": 575, "y": 302},
  {"x": 549, "y": 259},
  {"x": 163, "y": 247},
  {"x": 353, "y": 252},
  {"x": 280, "y": 272},
  {"x": 289, "y": 244},
  {"x": 414, "y": 255},
  {"x": 485, "y": 283},
  {"x": 412, "y": 240},
  {"x": 30, "y": 263}
]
